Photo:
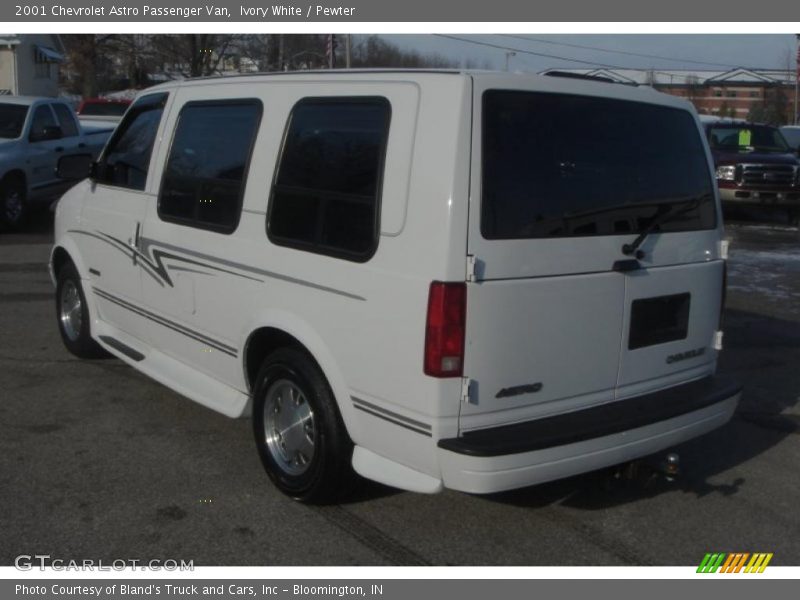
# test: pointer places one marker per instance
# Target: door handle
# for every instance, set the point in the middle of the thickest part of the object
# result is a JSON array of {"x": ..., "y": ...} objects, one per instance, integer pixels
[
  {"x": 59, "y": 149},
  {"x": 81, "y": 145}
]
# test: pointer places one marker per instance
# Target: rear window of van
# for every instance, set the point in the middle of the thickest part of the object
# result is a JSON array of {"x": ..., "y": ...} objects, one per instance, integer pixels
[{"x": 557, "y": 165}]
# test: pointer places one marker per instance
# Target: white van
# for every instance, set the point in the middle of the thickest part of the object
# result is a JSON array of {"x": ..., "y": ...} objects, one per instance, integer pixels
[{"x": 477, "y": 281}]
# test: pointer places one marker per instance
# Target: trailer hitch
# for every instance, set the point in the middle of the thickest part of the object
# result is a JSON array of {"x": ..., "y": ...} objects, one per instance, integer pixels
[{"x": 649, "y": 469}]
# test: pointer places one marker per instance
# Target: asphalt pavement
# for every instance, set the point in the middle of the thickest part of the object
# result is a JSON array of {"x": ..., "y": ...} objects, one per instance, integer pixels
[{"x": 98, "y": 461}]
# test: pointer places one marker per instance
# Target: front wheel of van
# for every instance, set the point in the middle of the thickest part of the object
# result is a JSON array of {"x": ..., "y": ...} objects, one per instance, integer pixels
[
  {"x": 299, "y": 432},
  {"x": 73, "y": 315}
]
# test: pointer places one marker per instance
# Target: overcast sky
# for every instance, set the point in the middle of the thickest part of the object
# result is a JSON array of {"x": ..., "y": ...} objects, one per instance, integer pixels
[{"x": 666, "y": 51}]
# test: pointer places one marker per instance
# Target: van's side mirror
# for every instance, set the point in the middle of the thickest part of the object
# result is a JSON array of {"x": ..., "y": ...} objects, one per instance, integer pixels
[
  {"x": 75, "y": 166},
  {"x": 49, "y": 132}
]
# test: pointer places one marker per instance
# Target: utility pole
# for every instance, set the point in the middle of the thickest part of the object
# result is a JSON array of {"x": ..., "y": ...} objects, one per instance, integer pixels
[
  {"x": 347, "y": 51},
  {"x": 330, "y": 51},
  {"x": 796, "y": 119}
]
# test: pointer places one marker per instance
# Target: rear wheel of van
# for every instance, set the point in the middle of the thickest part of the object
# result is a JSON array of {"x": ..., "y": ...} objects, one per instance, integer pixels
[
  {"x": 299, "y": 432},
  {"x": 73, "y": 315}
]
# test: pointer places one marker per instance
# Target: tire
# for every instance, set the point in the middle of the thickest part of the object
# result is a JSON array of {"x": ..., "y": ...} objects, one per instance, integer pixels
[
  {"x": 13, "y": 204},
  {"x": 309, "y": 460},
  {"x": 72, "y": 315}
]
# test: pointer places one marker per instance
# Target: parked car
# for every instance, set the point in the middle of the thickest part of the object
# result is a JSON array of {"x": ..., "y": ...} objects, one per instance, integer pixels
[
  {"x": 792, "y": 135},
  {"x": 755, "y": 166},
  {"x": 434, "y": 279},
  {"x": 103, "y": 110},
  {"x": 34, "y": 134}
]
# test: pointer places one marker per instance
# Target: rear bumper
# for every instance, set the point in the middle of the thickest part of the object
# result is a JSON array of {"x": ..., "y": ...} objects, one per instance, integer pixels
[{"x": 502, "y": 458}]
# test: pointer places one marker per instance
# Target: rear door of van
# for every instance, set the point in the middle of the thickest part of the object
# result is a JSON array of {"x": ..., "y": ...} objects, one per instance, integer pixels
[{"x": 559, "y": 317}]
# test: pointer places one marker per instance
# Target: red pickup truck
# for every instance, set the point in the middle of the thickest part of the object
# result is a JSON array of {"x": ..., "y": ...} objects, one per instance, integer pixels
[
  {"x": 755, "y": 166},
  {"x": 103, "y": 109}
]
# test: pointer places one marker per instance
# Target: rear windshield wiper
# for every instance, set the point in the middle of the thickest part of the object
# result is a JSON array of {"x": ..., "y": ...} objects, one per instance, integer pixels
[
  {"x": 674, "y": 208},
  {"x": 572, "y": 216}
]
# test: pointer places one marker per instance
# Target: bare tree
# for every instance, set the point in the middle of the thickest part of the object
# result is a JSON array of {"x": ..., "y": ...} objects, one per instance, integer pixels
[
  {"x": 261, "y": 49},
  {"x": 374, "y": 51},
  {"x": 90, "y": 62},
  {"x": 191, "y": 55},
  {"x": 279, "y": 52},
  {"x": 773, "y": 108},
  {"x": 107, "y": 62}
]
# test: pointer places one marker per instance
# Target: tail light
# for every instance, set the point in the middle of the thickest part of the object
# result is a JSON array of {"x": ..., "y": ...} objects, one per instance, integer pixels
[{"x": 445, "y": 327}]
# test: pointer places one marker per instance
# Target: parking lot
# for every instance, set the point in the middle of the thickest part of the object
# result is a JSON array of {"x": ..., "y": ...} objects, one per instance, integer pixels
[{"x": 97, "y": 461}]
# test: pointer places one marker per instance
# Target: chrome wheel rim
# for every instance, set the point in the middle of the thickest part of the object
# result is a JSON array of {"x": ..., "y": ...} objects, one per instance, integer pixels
[
  {"x": 12, "y": 206},
  {"x": 289, "y": 427},
  {"x": 70, "y": 310}
]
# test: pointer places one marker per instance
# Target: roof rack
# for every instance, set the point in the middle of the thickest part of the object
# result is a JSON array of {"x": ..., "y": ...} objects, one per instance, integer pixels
[
  {"x": 600, "y": 78},
  {"x": 356, "y": 71}
]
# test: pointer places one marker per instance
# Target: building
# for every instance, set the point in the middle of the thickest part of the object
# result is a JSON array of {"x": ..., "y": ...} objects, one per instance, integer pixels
[
  {"x": 762, "y": 94},
  {"x": 29, "y": 64}
]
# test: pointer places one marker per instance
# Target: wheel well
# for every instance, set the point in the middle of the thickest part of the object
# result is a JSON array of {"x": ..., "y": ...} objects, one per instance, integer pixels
[
  {"x": 263, "y": 342},
  {"x": 60, "y": 258},
  {"x": 15, "y": 175}
]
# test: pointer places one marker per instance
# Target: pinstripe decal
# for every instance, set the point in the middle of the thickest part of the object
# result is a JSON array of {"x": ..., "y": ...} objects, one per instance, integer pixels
[
  {"x": 146, "y": 243},
  {"x": 391, "y": 417},
  {"x": 159, "y": 271},
  {"x": 190, "y": 333},
  {"x": 122, "y": 247},
  {"x": 156, "y": 267}
]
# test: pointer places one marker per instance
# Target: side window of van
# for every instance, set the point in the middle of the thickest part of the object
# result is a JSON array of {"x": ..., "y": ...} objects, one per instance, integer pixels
[
  {"x": 127, "y": 157},
  {"x": 326, "y": 192},
  {"x": 206, "y": 170}
]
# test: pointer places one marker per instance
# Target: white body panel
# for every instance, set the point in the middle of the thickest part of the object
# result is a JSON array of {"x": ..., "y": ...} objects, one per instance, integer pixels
[
  {"x": 192, "y": 313},
  {"x": 105, "y": 232},
  {"x": 538, "y": 332}
]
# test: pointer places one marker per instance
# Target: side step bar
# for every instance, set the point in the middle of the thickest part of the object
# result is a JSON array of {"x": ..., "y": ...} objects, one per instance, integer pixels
[{"x": 121, "y": 347}]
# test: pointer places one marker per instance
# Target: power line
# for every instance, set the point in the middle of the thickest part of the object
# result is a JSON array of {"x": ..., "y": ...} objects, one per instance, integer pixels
[
  {"x": 564, "y": 58},
  {"x": 531, "y": 52},
  {"x": 627, "y": 53}
]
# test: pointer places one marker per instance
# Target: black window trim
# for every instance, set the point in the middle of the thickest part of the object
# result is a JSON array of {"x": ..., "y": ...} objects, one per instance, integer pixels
[
  {"x": 701, "y": 132},
  {"x": 315, "y": 248},
  {"x": 118, "y": 133},
  {"x": 223, "y": 229}
]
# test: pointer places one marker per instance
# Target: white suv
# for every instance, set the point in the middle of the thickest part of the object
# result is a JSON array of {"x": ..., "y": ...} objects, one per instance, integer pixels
[{"x": 477, "y": 281}]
